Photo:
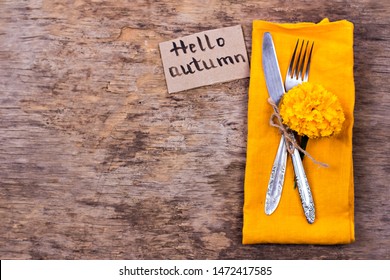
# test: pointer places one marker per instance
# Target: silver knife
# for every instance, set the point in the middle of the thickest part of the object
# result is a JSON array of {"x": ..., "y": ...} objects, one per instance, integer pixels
[{"x": 276, "y": 90}]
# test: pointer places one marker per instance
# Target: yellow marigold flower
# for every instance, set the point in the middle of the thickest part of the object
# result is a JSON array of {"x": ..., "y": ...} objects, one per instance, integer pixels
[{"x": 311, "y": 110}]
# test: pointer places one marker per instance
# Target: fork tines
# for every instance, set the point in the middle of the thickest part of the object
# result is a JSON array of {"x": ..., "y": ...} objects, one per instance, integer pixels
[{"x": 301, "y": 64}]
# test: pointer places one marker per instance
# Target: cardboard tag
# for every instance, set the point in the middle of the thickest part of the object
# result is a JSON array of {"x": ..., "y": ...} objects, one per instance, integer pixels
[{"x": 205, "y": 58}]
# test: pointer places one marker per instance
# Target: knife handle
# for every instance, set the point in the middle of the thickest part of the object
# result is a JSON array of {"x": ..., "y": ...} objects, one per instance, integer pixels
[
  {"x": 303, "y": 187},
  {"x": 276, "y": 181}
]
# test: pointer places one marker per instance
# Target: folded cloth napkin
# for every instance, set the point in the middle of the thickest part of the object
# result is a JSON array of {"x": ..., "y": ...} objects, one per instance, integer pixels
[{"x": 332, "y": 187}]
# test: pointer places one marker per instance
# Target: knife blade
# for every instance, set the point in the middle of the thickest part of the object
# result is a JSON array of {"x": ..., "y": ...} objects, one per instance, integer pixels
[
  {"x": 273, "y": 78},
  {"x": 276, "y": 90}
]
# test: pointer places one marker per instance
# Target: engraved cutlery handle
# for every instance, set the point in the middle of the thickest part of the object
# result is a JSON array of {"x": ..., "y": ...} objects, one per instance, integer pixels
[
  {"x": 303, "y": 187},
  {"x": 276, "y": 181}
]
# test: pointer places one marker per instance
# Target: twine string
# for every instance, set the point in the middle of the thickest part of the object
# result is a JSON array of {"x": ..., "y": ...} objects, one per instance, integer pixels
[{"x": 276, "y": 121}]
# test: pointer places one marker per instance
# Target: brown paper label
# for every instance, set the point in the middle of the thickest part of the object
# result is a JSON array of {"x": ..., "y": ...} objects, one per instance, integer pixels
[{"x": 205, "y": 58}]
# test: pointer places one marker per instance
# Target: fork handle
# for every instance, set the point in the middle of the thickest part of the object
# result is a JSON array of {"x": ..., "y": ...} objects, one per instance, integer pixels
[
  {"x": 303, "y": 187},
  {"x": 275, "y": 185},
  {"x": 276, "y": 180}
]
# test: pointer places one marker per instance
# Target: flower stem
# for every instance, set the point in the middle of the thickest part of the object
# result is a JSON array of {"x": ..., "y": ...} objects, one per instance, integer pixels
[{"x": 303, "y": 143}]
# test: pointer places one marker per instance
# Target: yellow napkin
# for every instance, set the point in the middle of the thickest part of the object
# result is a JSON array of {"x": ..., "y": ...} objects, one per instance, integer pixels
[{"x": 332, "y": 187}]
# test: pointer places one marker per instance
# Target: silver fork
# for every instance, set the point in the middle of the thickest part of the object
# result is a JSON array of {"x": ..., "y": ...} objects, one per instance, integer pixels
[
  {"x": 297, "y": 73},
  {"x": 298, "y": 66}
]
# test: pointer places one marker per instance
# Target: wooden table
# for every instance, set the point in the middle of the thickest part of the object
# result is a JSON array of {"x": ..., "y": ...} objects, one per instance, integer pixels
[{"x": 98, "y": 161}]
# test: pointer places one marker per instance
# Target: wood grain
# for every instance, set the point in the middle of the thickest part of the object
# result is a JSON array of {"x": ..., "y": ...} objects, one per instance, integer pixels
[{"x": 98, "y": 161}]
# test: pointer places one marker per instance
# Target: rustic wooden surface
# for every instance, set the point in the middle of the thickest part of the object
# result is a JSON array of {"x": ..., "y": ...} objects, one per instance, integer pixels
[{"x": 98, "y": 161}]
